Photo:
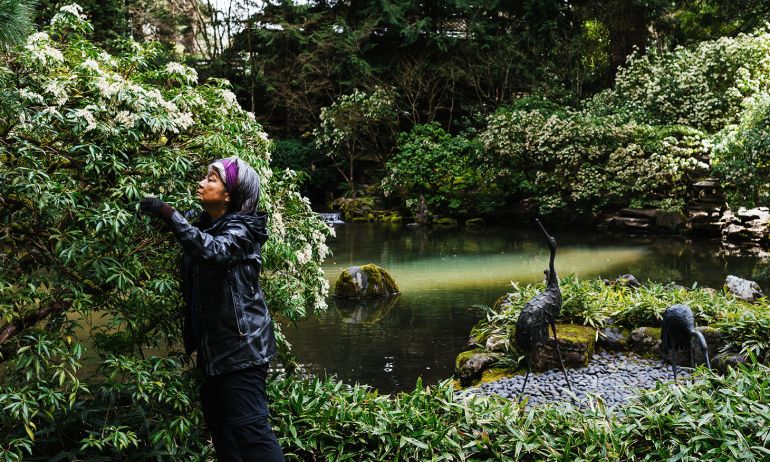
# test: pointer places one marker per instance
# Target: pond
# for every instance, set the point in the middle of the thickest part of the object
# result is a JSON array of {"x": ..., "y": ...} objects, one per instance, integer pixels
[{"x": 445, "y": 274}]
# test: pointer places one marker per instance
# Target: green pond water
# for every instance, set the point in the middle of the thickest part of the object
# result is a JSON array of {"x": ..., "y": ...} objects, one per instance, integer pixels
[{"x": 442, "y": 274}]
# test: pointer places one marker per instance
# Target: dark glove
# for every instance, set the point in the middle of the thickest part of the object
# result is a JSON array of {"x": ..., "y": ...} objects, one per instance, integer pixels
[{"x": 155, "y": 207}]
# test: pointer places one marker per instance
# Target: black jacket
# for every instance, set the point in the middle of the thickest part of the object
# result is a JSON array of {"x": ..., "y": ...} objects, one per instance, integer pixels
[{"x": 226, "y": 317}]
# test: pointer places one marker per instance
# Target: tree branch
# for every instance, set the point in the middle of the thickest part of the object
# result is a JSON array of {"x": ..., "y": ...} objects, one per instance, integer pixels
[{"x": 13, "y": 328}]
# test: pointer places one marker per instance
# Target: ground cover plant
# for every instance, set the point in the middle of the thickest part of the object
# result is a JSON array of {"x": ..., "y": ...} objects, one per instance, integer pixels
[{"x": 717, "y": 418}]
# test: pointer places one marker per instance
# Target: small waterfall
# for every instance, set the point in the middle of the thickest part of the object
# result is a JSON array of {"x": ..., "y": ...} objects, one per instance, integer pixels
[{"x": 332, "y": 218}]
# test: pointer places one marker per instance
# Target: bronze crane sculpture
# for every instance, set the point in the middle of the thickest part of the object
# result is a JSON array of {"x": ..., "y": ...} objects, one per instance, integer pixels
[
  {"x": 677, "y": 333},
  {"x": 539, "y": 313}
]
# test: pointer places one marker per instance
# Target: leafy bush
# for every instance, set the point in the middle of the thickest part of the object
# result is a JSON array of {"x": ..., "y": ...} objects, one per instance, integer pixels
[
  {"x": 742, "y": 156},
  {"x": 85, "y": 134},
  {"x": 592, "y": 302},
  {"x": 703, "y": 87},
  {"x": 444, "y": 168},
  {"x": 356, "y": 130},
  {"x": 574, "y": 161}
]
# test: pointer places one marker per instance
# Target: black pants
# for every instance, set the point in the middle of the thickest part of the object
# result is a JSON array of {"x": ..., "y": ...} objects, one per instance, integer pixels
[{"x": 236, "y": 412}]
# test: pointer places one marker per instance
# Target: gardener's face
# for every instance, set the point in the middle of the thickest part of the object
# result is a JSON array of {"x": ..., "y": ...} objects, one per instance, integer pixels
[{"x": 211, "y": 190}]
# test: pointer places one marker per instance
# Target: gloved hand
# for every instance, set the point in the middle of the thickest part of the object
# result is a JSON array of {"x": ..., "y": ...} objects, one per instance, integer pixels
[{"x": 155, "y": 207}]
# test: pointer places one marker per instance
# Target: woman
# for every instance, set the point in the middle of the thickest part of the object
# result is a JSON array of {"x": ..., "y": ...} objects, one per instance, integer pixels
[{"x": 227, "y": 320}]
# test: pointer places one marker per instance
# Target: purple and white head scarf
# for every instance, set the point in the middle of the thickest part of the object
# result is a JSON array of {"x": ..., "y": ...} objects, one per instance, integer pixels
[{"x": 241, "y": 181}]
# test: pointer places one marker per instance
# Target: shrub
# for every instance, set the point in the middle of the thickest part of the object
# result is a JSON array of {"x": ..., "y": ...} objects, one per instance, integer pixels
[
  {"x": 717, "y": 418},
  {"x": 85, "y": 134},
  {"x": 742, "y": 156},
  {"x": 443, "y": 168},
  {"x": 574, "y": 161},
  {"x": 592, "y": 302},
  {"x": 703, "y": 87}
]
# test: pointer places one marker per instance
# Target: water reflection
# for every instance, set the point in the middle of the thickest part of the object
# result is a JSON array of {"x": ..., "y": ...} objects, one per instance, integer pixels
[
  {"x": 443, "y": 274},
  {"x": 364, "y": 311}
]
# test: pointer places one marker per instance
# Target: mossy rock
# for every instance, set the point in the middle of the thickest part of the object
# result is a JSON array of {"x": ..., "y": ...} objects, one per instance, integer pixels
[
  {"x": 646, "y": 341},
  {"x": 396, "y": 219},
  {"x": 614, "y": 338},
  {"x": 577, "y": 345},
  {"x": 360, "y": 220},
  {"x": 469, "y": 365},
  {"x": 475, "y": 223},
  {"x": 367, "y": 281},
  {"x": 497, "y": 343},
  {"x": 445, "y": 222}
]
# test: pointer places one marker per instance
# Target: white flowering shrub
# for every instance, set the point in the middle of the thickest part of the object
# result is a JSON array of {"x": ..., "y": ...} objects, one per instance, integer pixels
[
  {"x": 84, "y": 135},
  {"x": 356, "y": 129},
  {"x": 704, "y": 87},
  {"x": 742, "y": 156},
  {"x": 576, "y": 162}
]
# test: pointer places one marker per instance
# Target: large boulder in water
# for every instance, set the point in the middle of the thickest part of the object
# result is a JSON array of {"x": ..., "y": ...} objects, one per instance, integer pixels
[{"x": 367, "y": 281}]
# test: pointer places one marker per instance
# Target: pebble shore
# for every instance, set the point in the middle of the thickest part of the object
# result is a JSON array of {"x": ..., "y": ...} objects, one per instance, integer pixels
[{"x": 615, "y": 377}]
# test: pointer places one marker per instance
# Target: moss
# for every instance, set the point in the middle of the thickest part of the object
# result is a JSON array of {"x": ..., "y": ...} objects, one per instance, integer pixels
[
  {"x": 496, "y": 373},
  {"x": 396, "y": 219},
  {"x": 359, "y": 220},
  {"x": 379, "y": 279},
  {"x": 345, "y": 280},
  {"x": 463, "y": 357},
  {"x": 653, "y": 332},
  {"x": 577, "y": 334},
  {"x": 379, "y": 283}
]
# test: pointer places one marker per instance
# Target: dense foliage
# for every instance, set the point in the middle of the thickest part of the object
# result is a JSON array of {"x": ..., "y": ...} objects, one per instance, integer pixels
[
  {"x": 742, "y": 155},
  {"x": 446, "y": 170},
  {"x": 578, "y": 163},
  {"x": 357, "y": 130},
  {"x": 657, "y": 63},
  {"x": 84, "y": 279},
  {"x": 746, "y": 326},
  {"x": 717, "y": 418}
]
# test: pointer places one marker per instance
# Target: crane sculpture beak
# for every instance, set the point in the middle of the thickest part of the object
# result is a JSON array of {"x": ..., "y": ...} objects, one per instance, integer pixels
[{"x": 543, "y": 228}]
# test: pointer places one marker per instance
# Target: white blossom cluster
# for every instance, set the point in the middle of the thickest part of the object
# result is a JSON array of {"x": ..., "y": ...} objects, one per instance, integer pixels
[
  {"x": 704, "y": 87},
  {"x": 188, "y": 74},
  {"x": 41, "y": 51}
]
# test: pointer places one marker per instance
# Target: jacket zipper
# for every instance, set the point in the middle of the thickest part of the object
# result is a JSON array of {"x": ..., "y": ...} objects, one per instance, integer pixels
[{"x": 235, "y": 308}]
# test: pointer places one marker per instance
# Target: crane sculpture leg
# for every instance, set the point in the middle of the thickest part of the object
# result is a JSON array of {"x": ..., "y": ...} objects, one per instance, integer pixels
[
  {"x": 526, "y": 377},
  {"x": 552, "y": 322}
]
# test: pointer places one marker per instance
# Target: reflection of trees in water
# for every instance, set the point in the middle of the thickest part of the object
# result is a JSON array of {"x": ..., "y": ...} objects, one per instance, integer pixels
[{"x": 366, "y": 311}]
